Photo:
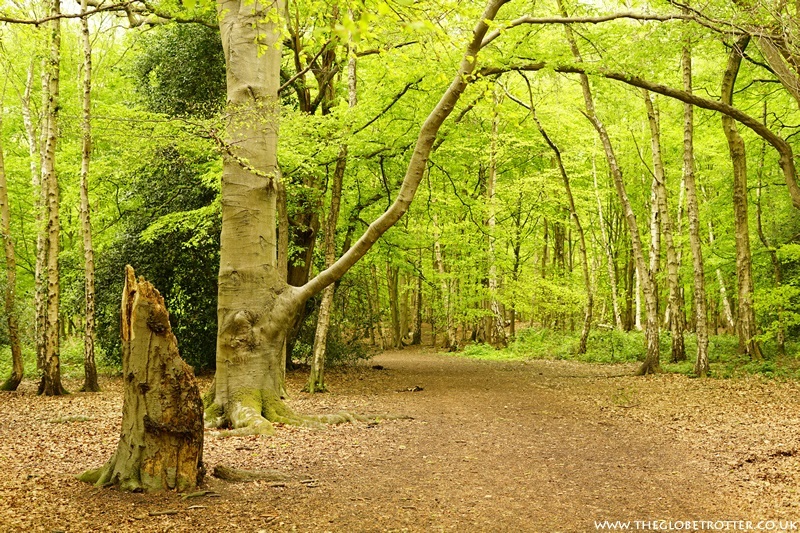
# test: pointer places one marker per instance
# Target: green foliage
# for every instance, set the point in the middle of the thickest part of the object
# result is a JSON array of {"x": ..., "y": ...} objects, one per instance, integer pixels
[
  {"x": 179, "y": 69},
  {"x": 603, "y": 346},
  {"x": 613, "y": 346},
  {"x": 170, "y": 235},
  {"x": 340, "y": 349}
]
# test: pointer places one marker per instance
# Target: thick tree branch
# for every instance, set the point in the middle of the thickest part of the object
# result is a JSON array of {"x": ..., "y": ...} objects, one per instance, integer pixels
[
  {"x": 122, "y": 6},
  {"x": 416, "y": 166},
  {"x": 629, "y": 15},
  {"x": 781, "y": 146},
  {"x": 291, "y": 80}
]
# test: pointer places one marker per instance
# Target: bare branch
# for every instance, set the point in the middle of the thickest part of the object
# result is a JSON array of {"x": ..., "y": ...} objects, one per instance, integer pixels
[
  {"x": 306, "y": 69},
  {"x": 39, "y": 21},
  {"x": 389, "y": 106}
]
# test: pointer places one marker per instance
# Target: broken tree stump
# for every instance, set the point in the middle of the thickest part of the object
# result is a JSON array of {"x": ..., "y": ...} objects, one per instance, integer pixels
[{"x": 161, "y": 443}]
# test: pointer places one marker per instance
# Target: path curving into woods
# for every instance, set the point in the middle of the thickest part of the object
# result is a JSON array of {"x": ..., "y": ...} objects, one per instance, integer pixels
[{"x": 541, "y": 446}]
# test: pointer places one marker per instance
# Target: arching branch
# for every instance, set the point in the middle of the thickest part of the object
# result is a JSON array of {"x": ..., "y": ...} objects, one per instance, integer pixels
[{"x": 783, "y": 148}]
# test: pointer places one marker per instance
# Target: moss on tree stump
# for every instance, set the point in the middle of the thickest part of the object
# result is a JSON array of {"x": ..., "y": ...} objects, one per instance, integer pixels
[{"x": 161, "y": 444}]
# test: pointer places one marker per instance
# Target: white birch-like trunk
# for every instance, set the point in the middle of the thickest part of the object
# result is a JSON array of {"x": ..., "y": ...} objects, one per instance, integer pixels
[
  {"x": 51, "y": 371},
  {"x": 497, "y": 330},
  {"x": 701, "y": 365},
  {"x": 673, "y": 263},
  {"x": 90, "y": 383},
  {"x": 652, "y": 358}
]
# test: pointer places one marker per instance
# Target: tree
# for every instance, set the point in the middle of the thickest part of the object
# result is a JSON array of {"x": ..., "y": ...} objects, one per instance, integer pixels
[
  {"x": 90, "y": 368},
  {"x": 255, "y": 303},
  {"x": 646, "y": 276},
  {"x": 746, "y": 318},
  {"x": 51, "y": 361},
  {"x": 701, "y": 365},
  {"x": 673, "y": 281},
  {"x": 161, "y": 444},
  {"x": 10, "y": 300},
  {"x": 316, "y": 379}
]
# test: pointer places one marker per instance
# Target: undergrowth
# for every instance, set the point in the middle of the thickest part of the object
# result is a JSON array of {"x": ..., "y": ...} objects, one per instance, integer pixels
[
  {"x": 71, "y": 360},
  {"x": 607, "y": 346}
]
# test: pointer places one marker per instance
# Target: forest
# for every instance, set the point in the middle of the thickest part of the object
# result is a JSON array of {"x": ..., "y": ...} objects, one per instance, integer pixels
[{"x": 587, "y": 205}]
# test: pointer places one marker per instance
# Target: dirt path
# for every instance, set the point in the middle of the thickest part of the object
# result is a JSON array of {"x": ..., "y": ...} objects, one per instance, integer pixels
[{"x": 539, "y": 446}]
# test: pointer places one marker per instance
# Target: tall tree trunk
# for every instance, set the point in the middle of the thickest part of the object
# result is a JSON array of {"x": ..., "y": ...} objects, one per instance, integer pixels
[
  {"x": 587, "y": 283},
  {"x": 51, "y": 372},
  {"x": 416, "y": 337},
  {"x": 676, "y": 323},
  {"x": 612, "y": 271},
  {"x": 451, "y": 339},
  {"x": 405, "y": 306},
  {"x": 161, "y": 443},
  {"x": 701, "y": 365},
  {"x": 316, "y": 379},
  {"x": 496, "y": 319},
  {"x": 652, "y": 362},
  {"x": 746, "y": 317},
  {"x": 376, "y": 308},
  {"x": 255, "y": 305},
  {"x": 17, "y": 367},
  {"x": 392, "y": 284},
  {"x": 780, "y": 334},
  {"x": 35, "y": 156},
  {"x": 89, "y": 367}
]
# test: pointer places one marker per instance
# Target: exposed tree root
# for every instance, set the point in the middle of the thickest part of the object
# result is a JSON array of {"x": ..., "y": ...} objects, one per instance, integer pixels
[
  {"x": 237, "y": 475},
  {"x": 257, "y": 412}
]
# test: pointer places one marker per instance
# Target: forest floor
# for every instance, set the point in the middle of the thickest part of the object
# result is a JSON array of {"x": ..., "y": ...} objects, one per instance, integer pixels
[{"x": 541, "y": 446}]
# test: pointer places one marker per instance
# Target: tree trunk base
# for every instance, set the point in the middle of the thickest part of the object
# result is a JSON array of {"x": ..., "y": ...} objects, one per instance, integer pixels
[
  {"x": 237, "y": 475},
  {"x": 257, "y": 412},
  {"x": 11, "y": 383}
]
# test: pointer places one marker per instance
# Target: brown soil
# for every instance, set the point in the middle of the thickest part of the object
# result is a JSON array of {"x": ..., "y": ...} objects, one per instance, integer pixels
[{"x": 542, "y": 446}]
